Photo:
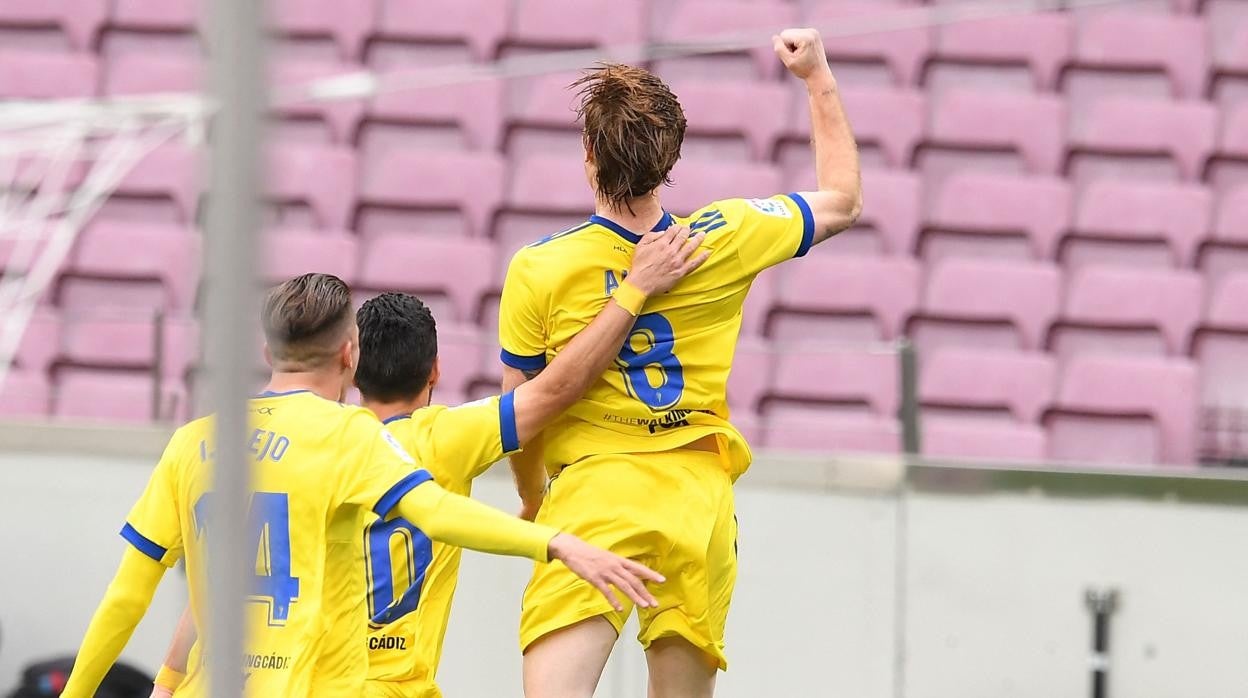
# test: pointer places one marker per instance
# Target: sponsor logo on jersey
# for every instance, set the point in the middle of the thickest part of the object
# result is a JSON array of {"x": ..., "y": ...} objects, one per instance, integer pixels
[
  {"x": 398, "y": 449},
  {"x": 770, "y": 207}
]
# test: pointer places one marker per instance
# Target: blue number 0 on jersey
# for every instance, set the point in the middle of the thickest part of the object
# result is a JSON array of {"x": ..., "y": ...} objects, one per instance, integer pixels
[
  {"x": 268, "y": 537},
  {"x": 418, "y": 554},
  {"x": 653, "y": 332}
]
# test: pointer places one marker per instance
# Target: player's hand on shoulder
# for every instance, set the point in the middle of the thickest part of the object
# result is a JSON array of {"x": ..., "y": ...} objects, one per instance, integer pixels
[
  {"x": 801, "y": 51},
  {"x": 664, "y": 258},
  {"x": 605, "y": 570}
]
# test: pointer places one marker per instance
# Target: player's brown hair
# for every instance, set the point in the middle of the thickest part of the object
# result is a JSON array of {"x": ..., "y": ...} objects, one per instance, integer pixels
[
  {"x": 306, "y": 319},
  {"x": 634, "y": 127}
]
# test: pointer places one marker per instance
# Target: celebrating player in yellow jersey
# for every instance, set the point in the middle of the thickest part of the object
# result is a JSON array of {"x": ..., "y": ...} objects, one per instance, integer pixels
[
  {"x": 314, "y": 459},
  {"x": 644, "y": 464}
]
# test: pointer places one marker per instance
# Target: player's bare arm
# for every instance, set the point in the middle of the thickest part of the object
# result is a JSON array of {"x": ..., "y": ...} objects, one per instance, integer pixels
[
  {"x": 174, "y": 668},
  {"x": 838, "y": 202}
]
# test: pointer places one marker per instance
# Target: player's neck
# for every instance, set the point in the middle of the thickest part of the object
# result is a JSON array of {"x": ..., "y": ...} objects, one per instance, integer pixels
[
  {"x": 328, "y": 386},
  {"x": 398, "y": 408},
  {"x": 645, "y": 214}
]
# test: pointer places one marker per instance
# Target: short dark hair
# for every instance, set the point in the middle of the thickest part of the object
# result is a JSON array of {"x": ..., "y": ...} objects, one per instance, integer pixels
[
  {"x": 305, "y": 320},
  {"x": 634, "y": 127},
  {"x": 398, "y": 345}
]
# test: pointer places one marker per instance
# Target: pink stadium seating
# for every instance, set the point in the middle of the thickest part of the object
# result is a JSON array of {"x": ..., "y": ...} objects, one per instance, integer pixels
[
  {"x": 47, "y": 75},
  {"x": 156, "y": 15},
  {"x": 1030, "y": 126},
  {"x": 289, "y": 252},
  {"x": 704, "y": 20},
  {"x": 903, "y": 51},
  {"x": 843, "y": 298},
  {"x": 697, "y": 183},
  {"x": 552, "y": 24},
  {"x": 138, "y": 252},
  {"x": 480, "y": 24},
  {"x": 848, "y": 376},
  {"x": 545, "y": 184},
  {"x": 461, "y": 270},
  {"x": 320, "y": 177},
  {"x": 883, "y": 118},
  {"x": 475, "y": 108},
  {"x": 461, "y": 356},
  {"x": 144, "y": 73},
  {"x": 167, "y": 174},
  {"x": 1230, "y": 222},
  {"x": 348, "y": 24},
  {"x": 338, "y": 118},
  {"x": 1121, "y": 215},
  {"x": 982, "y": 439},
  {"x": 998, "y": 304},
  {"x": 127, "y": 341},
  {"x": 974, "y": 380},
  {"x": 751, "y": 374},
  {"x": 752, "y": 111},
  {"x": 1122, "y": 310},
  {"x": 806, "y": 429},
  {"x": 1042, "y": 43},
  {"x": 1229, "y": 165},
  {"x": 1125, "y": 410},
  {"x": 889, "y": 223},
  {"x": 1129, "y": 126},
  {"x": 991, "y": 214},
  {"x": 25, "y": 394},
  {"x": 112, "y": 396},
  {"x": 418, "y": 179},
  {"x": 1220, "y": 344},
  {"x": 41, "y": 341},
  {"x": 78, "y": 20},
  {"x": 541, "y": 117},
  {"x": 1133, "y": 42}
]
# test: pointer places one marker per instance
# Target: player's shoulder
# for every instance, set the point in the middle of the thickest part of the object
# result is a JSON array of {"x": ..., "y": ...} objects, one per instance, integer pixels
[
  {"x": 728, "y": 211},
  {"x": 187, "y": 437}
]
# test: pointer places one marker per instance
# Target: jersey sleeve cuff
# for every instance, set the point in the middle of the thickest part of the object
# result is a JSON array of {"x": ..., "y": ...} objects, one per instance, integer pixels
[
  {"x": 143, "y": 544},
  {"x": 808, "y": 224},
  {"x": 523, "y": 363},
  {"x": 402, "y": 487},
  {"x": 507, "y": 423}
]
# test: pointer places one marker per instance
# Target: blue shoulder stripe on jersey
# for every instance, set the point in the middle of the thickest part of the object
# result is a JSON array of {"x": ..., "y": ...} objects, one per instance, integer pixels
[
  {"x": 523, "y": 363},
  {"x": 664, "y": 223},
  {"x": 392, "y": 496},
  {"x": 808, "y": 224},
  {"x": 716, "y": 225},
  {"x": 145, "y": 545},
  {"x": 395, "y": 418},
  {"x": 507, "y": 423},
  {"x": 707, "y": 221}
]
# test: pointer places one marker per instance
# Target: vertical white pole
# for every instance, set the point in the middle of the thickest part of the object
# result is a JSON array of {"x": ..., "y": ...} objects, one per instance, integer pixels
[{"x": 237, "y": 80}]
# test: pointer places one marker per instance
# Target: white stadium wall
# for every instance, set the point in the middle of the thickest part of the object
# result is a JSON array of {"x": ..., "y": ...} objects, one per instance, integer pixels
[{"x": 993, "y": 567}]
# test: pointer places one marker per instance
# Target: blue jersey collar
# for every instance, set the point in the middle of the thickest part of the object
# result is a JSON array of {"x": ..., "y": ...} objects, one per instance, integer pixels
[
  {"x": 272, "y": 393},
  {"x": 396, "y": 418},
  {"x": 664, "y": 223}
]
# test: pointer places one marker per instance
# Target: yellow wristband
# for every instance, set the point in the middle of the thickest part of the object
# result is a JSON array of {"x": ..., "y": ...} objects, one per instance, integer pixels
[
  {"x": 629, "y": 297},
  {"x": 169, "y": 678}
]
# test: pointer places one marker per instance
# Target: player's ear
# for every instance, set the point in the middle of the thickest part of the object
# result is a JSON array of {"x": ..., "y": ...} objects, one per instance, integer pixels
[{"x": 435, "y": 374}]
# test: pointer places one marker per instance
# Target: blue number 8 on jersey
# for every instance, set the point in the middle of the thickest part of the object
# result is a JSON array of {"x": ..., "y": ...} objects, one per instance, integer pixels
[{"x": 654, "y": 332}]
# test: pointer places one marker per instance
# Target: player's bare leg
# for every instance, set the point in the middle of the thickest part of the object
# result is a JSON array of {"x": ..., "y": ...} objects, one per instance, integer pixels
[
  {"x": 680, "y": 670},
  {"x": 568, "y": 663}
]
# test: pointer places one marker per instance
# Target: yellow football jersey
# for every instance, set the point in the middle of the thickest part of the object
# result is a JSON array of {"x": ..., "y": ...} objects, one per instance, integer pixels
[
  {"x": 669, "y": 384},
  {"x": 392, "y": 594},
  {"x": 312, "y": 459}
]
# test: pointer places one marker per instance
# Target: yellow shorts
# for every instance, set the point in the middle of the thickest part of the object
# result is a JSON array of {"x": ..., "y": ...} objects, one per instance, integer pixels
[{"x": 672, "y": 511}]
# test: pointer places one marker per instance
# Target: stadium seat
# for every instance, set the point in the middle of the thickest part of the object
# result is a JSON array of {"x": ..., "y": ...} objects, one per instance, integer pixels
[
  {"x": 889, "y": 222},
  {"x": 997, "y": 123},
  {"x": 706, "y": 20},
  {"x": 553, "y": 24},
  {"x": 462, "y": 271},
  {"x": 805, "y": 429},
  {"x": 716, "y": 110},
  {"x": 1123, "y": 310},
  {"x": 545, "y": 194},
  {"x": 1227, "y": 249},
  {"x": 479, "y": 24},
  {"x": 25, "y": 394},
  {"x": 319, "y": 177},
  {"x": 113, "y": 396},
  {"x": 41, "y": 341},
  {"x": 165, "y": 16},
  {"x": 982, "y": 439},
  {"x": 751, "y": 374},
  {"x": 164, "y": 182},
  {"x": 696, "y": 183},
  {"x": 844, "y": 298},
  {"x": 977, "y": 381},
  {"x": 854, "y": 377},
  {"x": 1124, "y": 410},
  {"x": 461, "y": 356},
  {"x": 1138, "y": 224},
  {"x": 986, "y": 303},
  {"x": 1041, "y": 43},
  {"x": 1134, "y": 43},
  {"x": 47, "y": 75},
  {"x": 347, "y": 24},
  {"x": 1115, "y": 135},
  {"x": 142, "y": 73},
  {"x": 886, "y": 120},
  {"x": 1220, "y": 343},
  {"x": 995, "y": 215},
  {"x": 78, "y": 20},
  {"x": 337, "y": 120},
  {"x": 1229, "y": 165},
  {"x": 1228, "y": 22},
  {"x": 902, "y": 51},
  {"x": 125, "y": 254},
  {"x": 474, "y": 108},
  {"x": 289, "y": 252},
  {"x": 541, "y": 117},
  {"x": 127, "y": 340},
  {"x": 417, "y": 180}
]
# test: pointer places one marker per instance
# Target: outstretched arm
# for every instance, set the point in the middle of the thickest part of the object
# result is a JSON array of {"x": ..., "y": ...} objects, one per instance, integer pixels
[
  {"x": 174, "y": 669},
  {"x": 123, "y": 606},
  {"x": 838, "y": 202}
]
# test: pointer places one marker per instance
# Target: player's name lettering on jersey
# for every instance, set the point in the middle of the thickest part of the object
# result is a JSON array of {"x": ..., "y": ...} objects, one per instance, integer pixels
[
  {"x": 669, "y": 420},
  {"x": 267, "y": 444},
  {"x": 386, "y": 642},
  {"x": 612, "y": 281},
  {"x": 266, "y": 661}
]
